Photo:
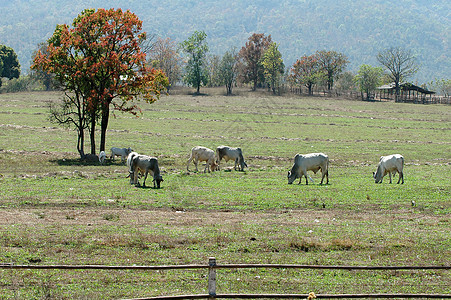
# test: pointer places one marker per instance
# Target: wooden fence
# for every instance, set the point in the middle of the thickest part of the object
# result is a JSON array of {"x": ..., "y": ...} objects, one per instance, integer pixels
[{"x": 212, "y": 267}]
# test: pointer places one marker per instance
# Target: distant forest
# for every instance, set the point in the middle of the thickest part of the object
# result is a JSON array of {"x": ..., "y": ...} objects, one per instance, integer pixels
[{"x": 357, "y": 28}]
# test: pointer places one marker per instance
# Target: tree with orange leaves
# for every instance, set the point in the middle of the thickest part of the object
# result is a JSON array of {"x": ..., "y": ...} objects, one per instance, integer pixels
[
  {"x": 251, "y": 55},
  {"x": 100, "y": 60},
  {"x": 306, "y": 71}
]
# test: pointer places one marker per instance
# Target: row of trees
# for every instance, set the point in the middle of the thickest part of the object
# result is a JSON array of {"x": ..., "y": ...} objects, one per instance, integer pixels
[{"x": 260, "y": 64}]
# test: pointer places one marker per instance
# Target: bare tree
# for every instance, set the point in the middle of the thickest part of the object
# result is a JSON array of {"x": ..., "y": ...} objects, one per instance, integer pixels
[
  {"x": 401, "y": 64},
  {"x": 165, "y": 56}
]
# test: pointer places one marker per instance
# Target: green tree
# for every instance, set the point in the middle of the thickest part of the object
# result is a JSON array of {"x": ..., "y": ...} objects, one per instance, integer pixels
[
  {"x": 368, "y": 78},
  {"x": 273, "y": 66},
  {"x": 101, "y": 61},
  {"x": 228, "y": 70},
  {"x": 442, "y": 86},
  {"x": 196, "y": 47},
  {"x": 9, "y": 63},
  {"x": 332, "y": 64},
  {"x": 401, "y": 64}
]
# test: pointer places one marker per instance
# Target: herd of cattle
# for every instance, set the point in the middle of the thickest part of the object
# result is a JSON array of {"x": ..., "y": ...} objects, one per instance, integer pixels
[{"x": 142, "y": 164}]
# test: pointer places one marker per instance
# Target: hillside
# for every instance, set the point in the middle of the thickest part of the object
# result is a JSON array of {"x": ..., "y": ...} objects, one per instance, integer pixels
[{"x": 359, "y": 29}]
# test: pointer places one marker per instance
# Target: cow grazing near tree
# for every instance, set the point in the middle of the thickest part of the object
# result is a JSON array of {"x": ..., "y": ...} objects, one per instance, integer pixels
[
  {"x": 122, "y": 152},
  {"x": 199, "y": 153},
  {"x": 102, "y": 157},
  {"x": 145, "y": 164},
  {"x": 309, "y": 162},
  {"x": 390, "y": 164},
  {"x": 229, "y": 153}
]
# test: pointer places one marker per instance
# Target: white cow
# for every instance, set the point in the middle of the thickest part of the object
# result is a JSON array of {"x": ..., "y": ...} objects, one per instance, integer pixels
[
  {"x": 199, "y": 153},
  {"x": 389, "y": 164},
  {"x": 309, "y": 162},
  {"x": 122, "y": 152},
  {"x": 146, "y": 164},
  {"x": 229, "y": 153},
  {"x": 102, "y": 157}
]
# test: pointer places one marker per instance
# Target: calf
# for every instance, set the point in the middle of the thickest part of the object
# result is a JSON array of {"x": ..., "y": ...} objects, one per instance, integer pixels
[
  {"x": 102, "y": 157},
  {"x": 122, "y": 152},
  {"x": 200, "y": 153},
  {"x": 229, "y": 153},
  {"x": 309, "y": 162},
  {"x": 146, "y": 164},
  {"x": 389, "y": 164}
]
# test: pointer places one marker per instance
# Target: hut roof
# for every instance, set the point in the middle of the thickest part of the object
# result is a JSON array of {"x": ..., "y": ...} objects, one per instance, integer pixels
[{"x": 406, "y": 87}]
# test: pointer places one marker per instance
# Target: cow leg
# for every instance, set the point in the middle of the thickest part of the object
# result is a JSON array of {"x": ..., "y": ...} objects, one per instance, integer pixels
[
  {"x": 187, "y": 165},
  {"x": 135, "y": 177},
  {"x": 195, "y": 163},
  {"x": 389, "y": 176},
  {"x": 401, "y": 177},
  {"x": 145, "y": 177}
]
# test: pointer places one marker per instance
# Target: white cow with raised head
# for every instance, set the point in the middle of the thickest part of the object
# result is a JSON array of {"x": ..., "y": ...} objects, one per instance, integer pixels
[
  {"x": 122, "y": 152},
  {"x": 199, "y": 153},
  {"x": 389, "y": 164},
  {"x": 309, "y": 162}
]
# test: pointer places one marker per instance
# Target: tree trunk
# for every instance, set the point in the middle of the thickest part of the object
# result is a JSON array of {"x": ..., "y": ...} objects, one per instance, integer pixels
[
  {"x": 80, "y": 142},
  {"x": 92, "y": 135},
  {"x": 104, "y": 123},
  {"x": 254, "y": 87}
]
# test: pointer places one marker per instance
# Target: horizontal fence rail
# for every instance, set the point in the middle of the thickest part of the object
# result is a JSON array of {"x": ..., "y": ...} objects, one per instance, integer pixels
[
  {"x": 212, "y": 266},
  {"x": 299, "y": 296},
  {"x": 223, "y": 266}
]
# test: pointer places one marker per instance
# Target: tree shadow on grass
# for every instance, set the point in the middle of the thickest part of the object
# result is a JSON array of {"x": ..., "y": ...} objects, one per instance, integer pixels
[
  {"x": 83, "y": 162},
  {"x": 148, "y": 187}
]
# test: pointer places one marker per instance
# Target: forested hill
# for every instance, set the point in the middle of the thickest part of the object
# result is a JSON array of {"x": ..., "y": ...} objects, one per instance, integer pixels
[{"x": 357, "y": 28}]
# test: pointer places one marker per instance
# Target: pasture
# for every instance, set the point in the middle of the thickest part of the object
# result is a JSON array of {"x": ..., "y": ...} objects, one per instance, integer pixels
[{"x": 58, "y": 210}]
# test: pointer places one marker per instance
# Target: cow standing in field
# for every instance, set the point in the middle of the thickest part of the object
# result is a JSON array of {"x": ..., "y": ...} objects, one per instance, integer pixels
[
  {"x": 200, "y": 153},
  {"x": 309, "y": 162},
  {"x": 390, "y": 164},
  {"x": 146, "y": 164},
  {"x": 122, "y": 152},
  {"x": 229, "y": 153}
]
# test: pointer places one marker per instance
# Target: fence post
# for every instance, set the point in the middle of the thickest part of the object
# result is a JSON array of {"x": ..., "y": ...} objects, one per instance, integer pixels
[{"x": 212, "y": 277}]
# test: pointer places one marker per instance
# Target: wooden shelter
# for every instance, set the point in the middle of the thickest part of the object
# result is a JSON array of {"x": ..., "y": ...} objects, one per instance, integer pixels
[{"x": 407, "y": 93}]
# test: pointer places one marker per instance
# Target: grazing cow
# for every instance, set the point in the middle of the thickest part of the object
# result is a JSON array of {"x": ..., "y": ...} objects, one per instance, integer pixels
[
  {"x": 309, "y": 162},
  {"x": 146, "y": 164},
  {"x": 389, "y": 164},
  {"x": 129, "y": 166},
  {"x": 122, "y": 152},
  {"x": 200, "y": 153},
  {"x": 229, "y": 153},
  {"x": 102, "y": 157}
]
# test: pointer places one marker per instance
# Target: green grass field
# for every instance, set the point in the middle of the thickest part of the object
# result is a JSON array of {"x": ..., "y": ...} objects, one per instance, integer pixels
[{"x": 57, "y": 210}]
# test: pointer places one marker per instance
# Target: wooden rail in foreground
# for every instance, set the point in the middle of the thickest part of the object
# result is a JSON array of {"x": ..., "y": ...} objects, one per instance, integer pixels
[{"x": 212, "y": 266}]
